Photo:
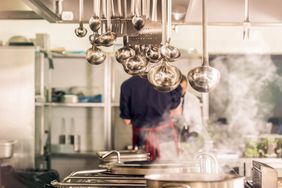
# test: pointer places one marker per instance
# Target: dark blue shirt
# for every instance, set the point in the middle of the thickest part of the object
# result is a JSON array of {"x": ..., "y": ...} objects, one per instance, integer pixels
[{"x": 144, "y": 105}]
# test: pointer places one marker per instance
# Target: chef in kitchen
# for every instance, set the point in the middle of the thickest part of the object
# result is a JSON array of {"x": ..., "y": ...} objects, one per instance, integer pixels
[{"x": 148, "y": 112}]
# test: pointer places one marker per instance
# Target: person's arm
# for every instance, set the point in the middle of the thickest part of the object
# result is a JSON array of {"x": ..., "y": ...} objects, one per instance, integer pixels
[
  {"x": 127, "y": 121},
  {"x": 175, "y": 97},
  {"x": 124, "y": 105}
]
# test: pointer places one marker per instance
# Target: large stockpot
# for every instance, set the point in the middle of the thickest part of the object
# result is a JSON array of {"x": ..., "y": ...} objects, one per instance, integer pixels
[{"x": 194, "y": 180}]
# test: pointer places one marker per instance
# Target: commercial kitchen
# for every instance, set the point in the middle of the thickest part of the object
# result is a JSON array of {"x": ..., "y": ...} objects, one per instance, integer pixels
[{"x": 66, "y": 116}]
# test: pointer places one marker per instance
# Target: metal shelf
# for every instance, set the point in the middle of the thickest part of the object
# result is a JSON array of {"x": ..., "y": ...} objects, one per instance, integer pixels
[
  {"x": 68, "y": 56},
  {"x": 76, "y": 155},
  {"x": 90, "y": 105}
]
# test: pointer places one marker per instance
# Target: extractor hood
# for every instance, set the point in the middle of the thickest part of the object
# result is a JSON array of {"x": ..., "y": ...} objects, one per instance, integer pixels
[
  {"x": 16, "y": 9},
  {"x": 220, "y": 12}
]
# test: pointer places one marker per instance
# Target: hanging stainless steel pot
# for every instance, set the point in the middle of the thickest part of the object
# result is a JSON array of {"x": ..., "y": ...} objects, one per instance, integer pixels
[
  {"x": 164, "y": 77},
  {"x": 204, "y": 78},
  {"x": 95, "y": 55},
  {"x": 194, "y": 180}
]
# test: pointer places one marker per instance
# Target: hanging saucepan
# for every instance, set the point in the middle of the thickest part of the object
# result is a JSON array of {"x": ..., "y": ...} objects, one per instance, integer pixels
[
  {"x": 95, "y": 55},
  {"x": 80, "y": 31},
  {"x": 125, "y": 52},
  {"x": 204, "y": 78},
  {"x": 164, "y": 77},
  {"x": 107, "y": 39},
  {"x": 136, "y": 64}
]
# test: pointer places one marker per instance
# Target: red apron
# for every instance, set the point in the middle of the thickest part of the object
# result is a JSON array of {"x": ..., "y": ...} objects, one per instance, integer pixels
[{"x": 153, "y": 138}]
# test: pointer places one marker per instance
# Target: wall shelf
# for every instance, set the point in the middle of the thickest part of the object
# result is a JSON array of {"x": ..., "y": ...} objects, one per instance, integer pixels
[{"x": 90, "y": 105}]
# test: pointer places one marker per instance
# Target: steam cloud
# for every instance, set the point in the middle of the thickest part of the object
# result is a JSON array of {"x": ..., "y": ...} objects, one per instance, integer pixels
[{"x": 242, "y": 97}]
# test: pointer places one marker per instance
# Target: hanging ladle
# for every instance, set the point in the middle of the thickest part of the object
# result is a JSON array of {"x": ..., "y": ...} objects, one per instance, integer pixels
[
  {"x": 153, "y": 54},
  {"x": 246, "y": 23},
  {"x": 95, "y": 21},
  {"x": 107, "y": 39},
  {"x": 125, "y": 52},
  {"x": 95, "y": 55},
  {"x": 165, "y": 77},
  {"x": 136, "y": 64},
  {"x": 204, "y": 78},
  {"x": 80, "y": 31},
  {"x": 145, "y": 72},
  {"x": 168, "y": 52},
  {"x": 137, "y": 20}
]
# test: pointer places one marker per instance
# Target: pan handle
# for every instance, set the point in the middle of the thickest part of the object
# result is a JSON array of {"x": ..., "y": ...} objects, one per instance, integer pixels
[
  {"x": 111, "y": 152},
  {"x": 175, "y": 185}
]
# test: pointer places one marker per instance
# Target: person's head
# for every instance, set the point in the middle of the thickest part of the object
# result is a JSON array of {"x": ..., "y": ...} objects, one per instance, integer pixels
[{"x": 183, "y": 84}]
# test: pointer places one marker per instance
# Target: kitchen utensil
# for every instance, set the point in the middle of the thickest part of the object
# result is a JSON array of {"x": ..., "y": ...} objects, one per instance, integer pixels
[
  {"x": 94, "y": 39},
  {"x": 125, "y": 52},
  {"x": 107, "y": 39},
  {"x": 95, "y": 21},
  {"x": 169, "y": 52},
  {"x": 136, "y": 64},
  {"x": 80, "y": 31},
  {"x": 137, "y": 20},
  {"x": 148, "y": 9},
  {"x": 95, "y": 55},
  {"x": 153, "y": 54},
  {"x": 164, "y": 77},
  {"x": 194, "y": 180},
  {"x": 144, "y": 73},
  {"x": 154, "y": 10},
  {"x": 204, "y": 78},
  {"x": 246, "y": 23}
]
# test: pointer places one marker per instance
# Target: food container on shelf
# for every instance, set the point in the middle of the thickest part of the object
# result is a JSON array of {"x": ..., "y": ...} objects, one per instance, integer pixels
[{"x": 6, "y": 149}]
